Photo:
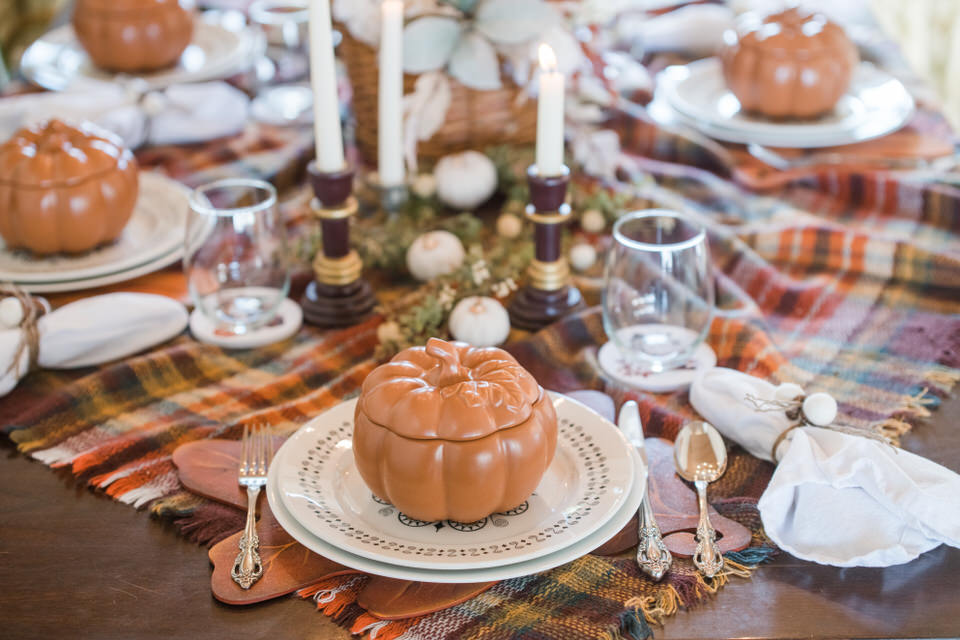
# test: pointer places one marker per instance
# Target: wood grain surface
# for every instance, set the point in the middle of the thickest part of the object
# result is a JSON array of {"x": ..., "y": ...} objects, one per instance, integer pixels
[{"x": 77, "y": 564}]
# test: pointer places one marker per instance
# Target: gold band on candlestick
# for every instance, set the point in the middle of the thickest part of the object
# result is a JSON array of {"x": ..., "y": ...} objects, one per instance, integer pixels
[
  {"x": 547, "y": 217},
  {"x": 549, "y": 276},
  {"x": 337, "y": 271},
  {"x": 347, "y": 209}
]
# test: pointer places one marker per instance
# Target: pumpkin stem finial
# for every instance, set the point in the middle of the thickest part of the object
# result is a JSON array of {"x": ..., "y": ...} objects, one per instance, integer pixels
[{"x": 450, "y": 371}]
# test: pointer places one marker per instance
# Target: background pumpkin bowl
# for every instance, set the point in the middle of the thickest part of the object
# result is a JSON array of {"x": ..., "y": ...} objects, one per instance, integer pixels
[{"x": 66, "y": 189}]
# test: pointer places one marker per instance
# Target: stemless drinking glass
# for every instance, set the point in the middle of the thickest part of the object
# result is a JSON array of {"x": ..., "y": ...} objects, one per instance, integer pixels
[
  {"x": 284, "y": 24},
  {"x": 658, "y": 296},
  {"x": 284, "y": 97},
  {"x": 236, "y": 257}
]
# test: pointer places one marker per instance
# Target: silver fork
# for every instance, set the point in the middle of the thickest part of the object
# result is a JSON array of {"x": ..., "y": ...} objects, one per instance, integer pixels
[{"x": 257, "y": 451}]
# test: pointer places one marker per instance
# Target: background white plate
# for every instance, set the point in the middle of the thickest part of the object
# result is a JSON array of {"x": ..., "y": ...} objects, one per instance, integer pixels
[
  {"x": 56, "y": 61},
  {"x": 876, "y": 104},
  {"x": 585, "y": 485},
  {"x": 513, "y": 570}
]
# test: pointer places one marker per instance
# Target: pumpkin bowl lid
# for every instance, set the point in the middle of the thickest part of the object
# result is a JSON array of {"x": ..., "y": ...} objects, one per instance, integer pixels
[
  {"x": 54, "y": 153},
  {"x": 449, "y": 391},
  {"x": 794, "y": 31}
]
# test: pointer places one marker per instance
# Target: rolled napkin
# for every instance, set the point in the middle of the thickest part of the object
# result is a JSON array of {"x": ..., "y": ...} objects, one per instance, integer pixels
[
  {"x": 835, "y": 498},
  {"x": 180, "y": 114},
  {"x": 91, "y": 331}
]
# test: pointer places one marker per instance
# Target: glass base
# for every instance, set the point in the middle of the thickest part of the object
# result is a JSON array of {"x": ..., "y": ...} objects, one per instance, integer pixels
[
  {"x": 241, "y": 310},
  {"x": 286, "y": 322},
  {"x": 284, "y": 105},
  {"x": 655, "y": 358}
]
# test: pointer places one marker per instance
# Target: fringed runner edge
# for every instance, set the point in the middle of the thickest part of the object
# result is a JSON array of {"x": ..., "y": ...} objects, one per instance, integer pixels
[{"x": 336, "y": 597}]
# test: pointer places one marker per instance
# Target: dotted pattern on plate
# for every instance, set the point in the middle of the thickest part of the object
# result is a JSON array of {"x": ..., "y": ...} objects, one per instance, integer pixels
[{"x": 590, "y": 461}]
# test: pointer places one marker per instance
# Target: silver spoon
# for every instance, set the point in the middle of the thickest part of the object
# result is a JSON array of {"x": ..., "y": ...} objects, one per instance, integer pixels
[{"x": 701, "y": 458}]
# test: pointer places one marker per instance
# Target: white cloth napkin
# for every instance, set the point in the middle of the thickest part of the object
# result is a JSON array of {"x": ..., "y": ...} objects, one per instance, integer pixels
[
  {"x": 834, "y": 498},
  {"x": 178, "y": 115},
  {"x": 92, "y": 331}
]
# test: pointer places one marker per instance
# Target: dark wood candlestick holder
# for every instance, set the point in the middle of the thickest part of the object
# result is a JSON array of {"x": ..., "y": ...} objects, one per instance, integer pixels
[
  {"x": 547, "y": 295},
  {"x": 338, "y": 296}
]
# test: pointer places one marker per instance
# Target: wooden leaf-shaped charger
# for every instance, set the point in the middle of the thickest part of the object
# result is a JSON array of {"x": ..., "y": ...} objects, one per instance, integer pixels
[
  {"x": 675, "y": 507},
  {"x": 209, "y": 468}
]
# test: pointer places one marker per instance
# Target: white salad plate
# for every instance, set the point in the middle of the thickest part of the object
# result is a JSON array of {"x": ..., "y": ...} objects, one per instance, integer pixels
[
  {"x": 875, "y": 105},
  {"x": 594, "y": 466},
  {"x": 56, "y": 61}
]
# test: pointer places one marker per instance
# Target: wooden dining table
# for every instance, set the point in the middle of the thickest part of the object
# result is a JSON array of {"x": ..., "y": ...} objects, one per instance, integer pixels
[{"x": 77, "y": 564}]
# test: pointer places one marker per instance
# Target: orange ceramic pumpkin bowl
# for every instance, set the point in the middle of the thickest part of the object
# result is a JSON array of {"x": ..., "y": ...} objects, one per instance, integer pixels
[
  {"x": 65, "y": 189},
  {"x": 792, "y": 64},
  {"x": 133, "y": 35},
  {"x": 453, "y": 432}
]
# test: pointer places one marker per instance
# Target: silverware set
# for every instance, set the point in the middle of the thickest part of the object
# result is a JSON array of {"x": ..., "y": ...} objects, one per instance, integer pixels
[
  {"x": 699, "y": 454},
  {"x": 701, "y": 458},
  {"x": 256, "y": 453}
]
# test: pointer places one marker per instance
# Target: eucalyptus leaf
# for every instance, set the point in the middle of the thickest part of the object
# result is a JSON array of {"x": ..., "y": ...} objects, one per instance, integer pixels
[
  {"x": 475, "y": 64},
  {"x": 513, "y": 21},
  {"x": 428, "y": 43}
]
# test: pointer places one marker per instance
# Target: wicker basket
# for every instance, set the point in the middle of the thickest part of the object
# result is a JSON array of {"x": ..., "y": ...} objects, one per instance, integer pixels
[{"x": 476, "y": 119}]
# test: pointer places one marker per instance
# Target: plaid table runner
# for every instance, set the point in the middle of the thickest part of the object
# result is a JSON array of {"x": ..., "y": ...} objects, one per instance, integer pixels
[{"x": 844, "y": 281}]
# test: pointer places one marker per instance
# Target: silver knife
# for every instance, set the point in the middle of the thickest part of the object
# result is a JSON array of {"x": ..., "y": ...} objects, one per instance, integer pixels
[{"x": 652, "y": 555}]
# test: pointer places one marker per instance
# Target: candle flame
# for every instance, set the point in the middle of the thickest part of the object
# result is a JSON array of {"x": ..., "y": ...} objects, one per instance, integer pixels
[{"x": 548, "y": 59}]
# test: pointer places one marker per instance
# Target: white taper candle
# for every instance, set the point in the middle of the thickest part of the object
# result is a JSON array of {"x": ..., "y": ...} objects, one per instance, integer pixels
[
  {"x": 549, "y": 115},
  {"x": 390, "y": 130},
  {"x": 323, "y": 78}
]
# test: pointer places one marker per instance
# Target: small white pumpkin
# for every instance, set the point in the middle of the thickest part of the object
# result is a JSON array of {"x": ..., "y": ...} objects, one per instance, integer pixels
[
  {"x": 582, "y": 256},
  {"x": 592, "y": 221},
  {"x": 480, "y": 321},
  {"x": 424, "y": 185},
  {"x": 509, "y": 225},
  {"x": 389, "y": 332},
  {"x": 465, "y": 180},
  {"x": 435, "y": 253},
  {"x": 788, "y": 391},
  {"x": 820, "y": 409},
  {"x": 11, "y": 313}
]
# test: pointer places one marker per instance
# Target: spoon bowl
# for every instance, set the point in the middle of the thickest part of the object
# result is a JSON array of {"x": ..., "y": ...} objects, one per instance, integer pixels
[
  {"x": 700, "y": 453},
  {"x": 700, "y": 456}
]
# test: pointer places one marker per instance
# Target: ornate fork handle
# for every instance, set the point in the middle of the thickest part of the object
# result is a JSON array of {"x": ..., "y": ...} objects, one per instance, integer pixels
[
  {"x": 247, "y": 568},
  {"x": 652, "y": 555},
  {"x": 707, "y": 556}
]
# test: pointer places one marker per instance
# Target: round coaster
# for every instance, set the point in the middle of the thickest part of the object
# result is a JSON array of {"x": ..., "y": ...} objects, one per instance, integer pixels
[
  {"x": 287, "y": 322},
  {"x": 616, "y": 365}
]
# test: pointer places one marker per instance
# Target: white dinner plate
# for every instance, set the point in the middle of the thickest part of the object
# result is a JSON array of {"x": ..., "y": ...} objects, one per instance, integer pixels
[
  {"x": 876, "y": 104},
  {"x": 569, "y": 553},
  {"x": 585, "y": 486},
  {"x": 103, "y": 281},
  {"x": 155, "y": 229},
  {"x": 56, "y": 61}
]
